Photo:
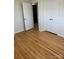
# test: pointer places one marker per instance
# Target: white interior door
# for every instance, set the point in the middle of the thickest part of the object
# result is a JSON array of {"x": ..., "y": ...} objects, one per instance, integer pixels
[{"x": 28, "y": 15}]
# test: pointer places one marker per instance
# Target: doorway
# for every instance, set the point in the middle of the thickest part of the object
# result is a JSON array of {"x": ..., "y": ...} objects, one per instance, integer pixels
[{"x": 35, "y": 15}]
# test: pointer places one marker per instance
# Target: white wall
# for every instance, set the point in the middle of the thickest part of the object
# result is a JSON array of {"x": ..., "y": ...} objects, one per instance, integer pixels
[
  {"x": 34, "y": 2},
  {"x": 43, "y": 18},
  {"x": 41, "y": 15},
  {"x": 51, "y": 9},
  {"x": 18, "y": 18}
]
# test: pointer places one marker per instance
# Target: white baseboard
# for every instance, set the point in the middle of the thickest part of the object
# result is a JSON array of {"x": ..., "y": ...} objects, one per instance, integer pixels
[
  {"x": 41, "y": 30},
  {"x": 61, "y": 35},
  {"x": 55, "y": 33},
  {"x": 18, "y": 31}
]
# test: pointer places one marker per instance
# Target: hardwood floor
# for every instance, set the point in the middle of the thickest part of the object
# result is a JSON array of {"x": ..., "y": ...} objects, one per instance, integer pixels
[{"x": 38, "y": 45}]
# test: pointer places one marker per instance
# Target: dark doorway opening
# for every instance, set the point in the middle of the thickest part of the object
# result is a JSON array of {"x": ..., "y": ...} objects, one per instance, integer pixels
[{"x": 35, "y": 15}]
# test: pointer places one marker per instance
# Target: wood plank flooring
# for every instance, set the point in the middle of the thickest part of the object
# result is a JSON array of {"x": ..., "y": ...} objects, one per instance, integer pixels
[{"x": 33, "y": 44}]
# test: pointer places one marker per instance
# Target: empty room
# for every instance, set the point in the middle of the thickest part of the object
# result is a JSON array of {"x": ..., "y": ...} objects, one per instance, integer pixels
[{"x": 38, "y": 29}]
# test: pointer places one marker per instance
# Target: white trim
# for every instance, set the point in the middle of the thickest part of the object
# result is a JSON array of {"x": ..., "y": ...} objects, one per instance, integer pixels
[
  {"x": 55, "y": 33},
  {"x": 18, "y": 31},
  {"x": 61, "y": 35}
]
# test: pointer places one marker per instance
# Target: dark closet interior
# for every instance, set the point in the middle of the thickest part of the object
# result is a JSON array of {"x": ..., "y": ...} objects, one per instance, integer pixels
[{"x": 35, "y": 14}]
